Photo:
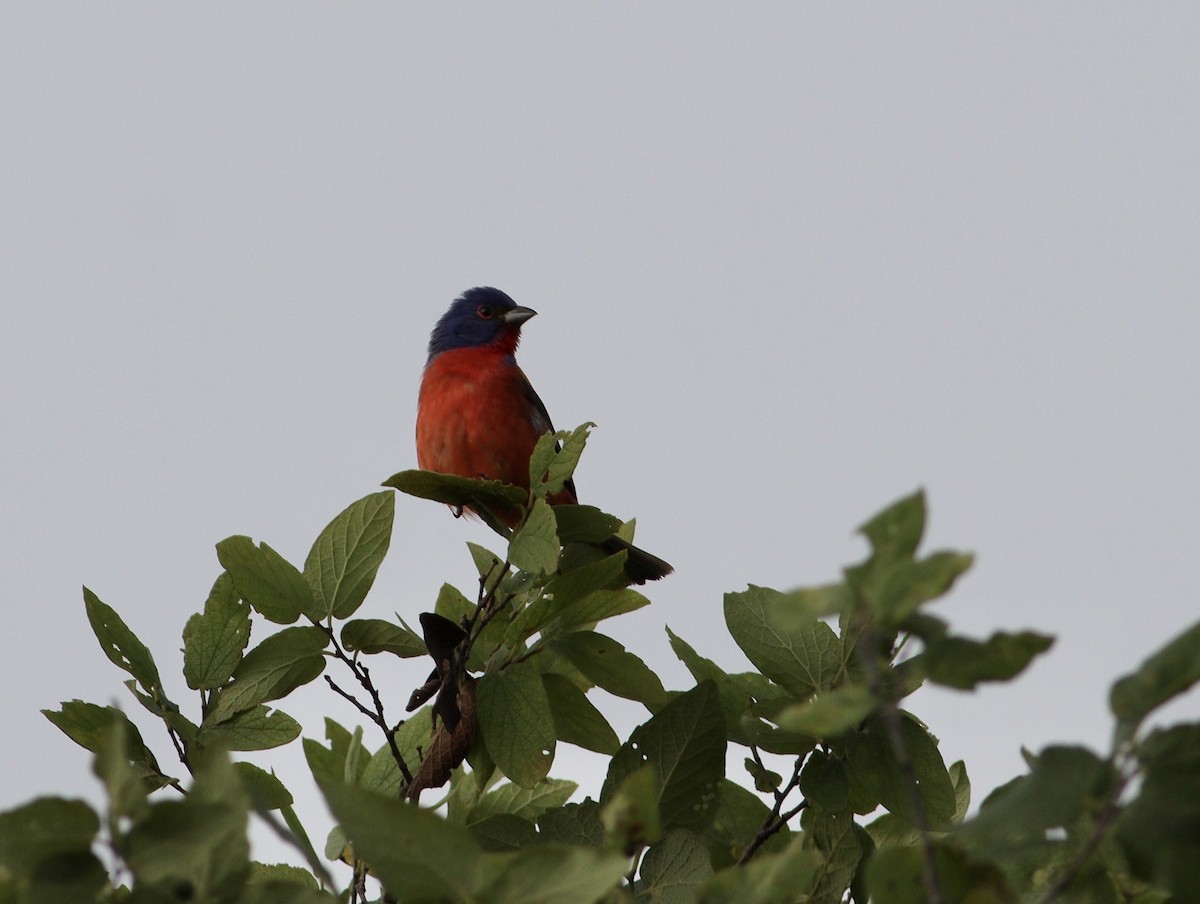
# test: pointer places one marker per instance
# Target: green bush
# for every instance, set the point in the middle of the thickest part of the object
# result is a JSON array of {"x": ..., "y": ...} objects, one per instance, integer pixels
[{"x": 845, "y": 794}]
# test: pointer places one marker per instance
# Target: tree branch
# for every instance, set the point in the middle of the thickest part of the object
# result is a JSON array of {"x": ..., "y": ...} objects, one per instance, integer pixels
[
  {"x": 777, "y": 820},
  {"x": 363, "y": 675}
]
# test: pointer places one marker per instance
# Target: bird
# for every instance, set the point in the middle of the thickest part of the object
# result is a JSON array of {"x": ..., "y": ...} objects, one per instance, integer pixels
[{"x": 478, "y": 416}]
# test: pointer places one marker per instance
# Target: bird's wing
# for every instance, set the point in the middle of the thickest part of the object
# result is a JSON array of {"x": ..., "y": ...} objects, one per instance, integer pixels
[
  {"x": 540, "y": 417},
  {"x": 538, "y": 413}
]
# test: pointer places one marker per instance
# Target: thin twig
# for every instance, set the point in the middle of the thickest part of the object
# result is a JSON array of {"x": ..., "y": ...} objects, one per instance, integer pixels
[
  {"x": 777, "y": 820},
  {"x": 180, "y": 748},
  {"x": 363, "y": 675}
]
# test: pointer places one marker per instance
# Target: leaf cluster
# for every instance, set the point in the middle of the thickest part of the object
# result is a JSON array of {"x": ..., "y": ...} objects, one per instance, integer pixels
[{"x": 844, "y": 794}]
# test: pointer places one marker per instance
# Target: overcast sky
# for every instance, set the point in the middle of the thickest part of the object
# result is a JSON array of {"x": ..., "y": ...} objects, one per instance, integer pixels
[{"x": 795, "y": 261}]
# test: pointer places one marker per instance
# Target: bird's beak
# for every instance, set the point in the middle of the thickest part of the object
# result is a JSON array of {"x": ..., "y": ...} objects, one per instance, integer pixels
[{"x": 517, "y": 316}]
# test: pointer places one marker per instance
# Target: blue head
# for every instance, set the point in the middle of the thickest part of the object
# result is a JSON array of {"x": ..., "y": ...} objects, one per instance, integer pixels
[{"x": 479, "y": 317}]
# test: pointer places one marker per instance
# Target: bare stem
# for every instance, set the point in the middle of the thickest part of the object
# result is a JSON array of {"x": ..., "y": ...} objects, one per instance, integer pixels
[
  {"x": 778, "y": 819},
  {"x": 363, "y": 675}
]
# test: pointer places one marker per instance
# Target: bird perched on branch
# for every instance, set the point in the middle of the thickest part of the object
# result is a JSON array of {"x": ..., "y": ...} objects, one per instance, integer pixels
[{"x": 479, "y": 417}]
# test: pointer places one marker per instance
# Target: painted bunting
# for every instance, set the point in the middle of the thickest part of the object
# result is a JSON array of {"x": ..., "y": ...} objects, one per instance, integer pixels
[{"x": 479, "y": 417}]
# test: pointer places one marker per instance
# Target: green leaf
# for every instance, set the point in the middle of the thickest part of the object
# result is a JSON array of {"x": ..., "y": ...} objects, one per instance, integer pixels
[
  {"x": 770, "y": 878},
  {"x": 595, "y": 607},
  {"x": 273, "y": 669},
  {"x": 342, "y": 564},
  {"x": 963, "y": 663},
  {"x": 374, "y": 635},
  {"x": 259, "y": 728},
  {"x": 125, "y": 781},
  {"x": 786, "y": 643},
  {"x": 534, "y": 546},
  {"x": 585, "y": 524},
  {"x": 738, "y": 691},
  {"x": 876, "y": 774},
  {"x": 765, "y": 781},
  {"x": 121, "y": 645},
  {"x": 833, "y": 835},
  {"x": 198, "y": 842},
  {"x": 895, "y": 533},
  {"x": 87, "y": 725},
  {"x": 265, "y": 790},
  {"x": 685, "y": 744},
  {"x": 458, "y": 491},
  {"x": 65, "y": 879},
  {"x": 630, "y": 811},
  {"x": 962, "y": 791},
  {"x": 606, "y": 663},
  {"x": 527, "y": 803},
  {"x": 416, "y": 855},
  {"x": 1165, "y": 675},
  {"x": 823, "y": 782},
  {"x": 893, "y": 590},
  {"x": 265, "y": 579},
  {"x": 516, "y": 723},
  {"x": 550, "y": 874},
  {"x": 1159, "y": 832},
  {"x": 768, "y": 737},
  {"x": 740, "y": 815},
  {"x": 573, "y": 586},
  {"x": 45, "y": 827},
  {"x": 552, "y": 464},
  {"x": 894, "y": 877},
  {"x": 213, "y": 642},
  {"x": 504, "y": 832},
  {"x": 574, "y": 824},
  {"x": 576, "y": 720},
  {"x": 830, "y": 713},
  {"x": 487, "y": 563},
  {"x": 1062, "y": 783},
  {"x": 674, "y": 869}
]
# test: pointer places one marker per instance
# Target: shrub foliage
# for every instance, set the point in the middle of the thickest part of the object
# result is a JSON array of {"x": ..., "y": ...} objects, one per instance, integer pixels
[{"x": 844, "y": 795}]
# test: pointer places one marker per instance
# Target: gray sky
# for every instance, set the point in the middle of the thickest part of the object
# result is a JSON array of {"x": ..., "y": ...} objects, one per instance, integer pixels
[{"x": 795, "y": 261}]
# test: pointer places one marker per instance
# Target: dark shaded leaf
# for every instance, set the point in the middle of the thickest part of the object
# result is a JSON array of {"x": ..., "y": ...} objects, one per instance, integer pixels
[
  {"x": 606, "y": 663},
  {"x": 685, "y": 744},
  {"x": 674, "y": 869},
  {"x": 457, "y": 491},
  {"x": 830, "y": 713},
  {"x": 770, "y": 878},
  {"x": 550, "y": 874},
  {"x": 875, "y": 773},
  {"x": 576, "y": 720},
  {"x": 575, "y": 824},
  {"x": 416, "y": 855},
  {"x": 1163, "y": 676},
  {"x": 1063, "y": 781},
  {"x": 963, "y": 663},
  {"x": 374, "y": 635}
]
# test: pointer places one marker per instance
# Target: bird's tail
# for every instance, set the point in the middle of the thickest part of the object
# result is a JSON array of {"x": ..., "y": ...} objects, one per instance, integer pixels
[{"x": 640, "y": 566}]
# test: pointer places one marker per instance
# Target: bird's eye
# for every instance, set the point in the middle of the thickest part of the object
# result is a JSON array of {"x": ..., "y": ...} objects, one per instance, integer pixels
[{"x": 484, "y": 312}]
